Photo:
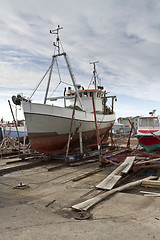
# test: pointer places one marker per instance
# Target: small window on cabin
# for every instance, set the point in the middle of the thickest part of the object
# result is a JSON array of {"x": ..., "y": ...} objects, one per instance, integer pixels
[
  {"x": 150, "y": 121},
  {"x": 80, "y": 94},
  {"x": 155, "y": 122},
  {"x": 143, "y": 122},
  {"x": 85, "y": 94},
  {"x": 90, "y": 94}
]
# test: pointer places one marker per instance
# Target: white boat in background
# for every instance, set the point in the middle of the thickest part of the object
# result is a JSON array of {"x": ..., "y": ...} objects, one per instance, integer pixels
[
  {"x": 48, "y": 125},
  {"x": 148, "y": 133},
  {"x": 9, "y": 129}
]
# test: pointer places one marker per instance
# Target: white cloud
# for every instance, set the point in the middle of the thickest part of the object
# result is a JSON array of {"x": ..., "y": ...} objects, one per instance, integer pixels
[{"x": 122, "y": 35}]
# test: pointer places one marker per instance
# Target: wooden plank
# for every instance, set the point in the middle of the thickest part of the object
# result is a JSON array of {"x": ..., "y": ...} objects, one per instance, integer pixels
[
  {"x": 129, "y": 160},
  {"x": 84, "y": 206},
  {"x": 148, "y": 161},
  {"x": 106, "y": 183},
  {"x": 87, "y": 174},
  {"x": 109, "y": 182},
  {"x": 152, "y": 195},
  {"x": 151, "y": 183},
  {"x": 56, "y": 167},
  {"x": 23, "y": 167}
]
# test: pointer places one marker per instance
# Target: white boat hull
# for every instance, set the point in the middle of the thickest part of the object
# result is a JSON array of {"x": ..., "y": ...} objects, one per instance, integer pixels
[{"x": 48, "y": 126}]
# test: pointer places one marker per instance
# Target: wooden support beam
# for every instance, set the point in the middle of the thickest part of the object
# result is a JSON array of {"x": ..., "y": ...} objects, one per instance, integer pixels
[
  {"x": 84, "y": 206},
  {"x": 151, "y": 183},
  {"x": 70, "y": 131},
  {"x": 23, "y": 167},
  {"x": 109, "y": 182},
  {"x": 96, "y": 127},
  {"x": 87, "y": 174}
]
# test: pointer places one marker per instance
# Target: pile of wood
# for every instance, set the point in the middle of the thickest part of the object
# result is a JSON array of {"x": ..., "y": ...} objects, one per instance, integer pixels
[
  {"x": 108, "y": 184},
  {"x": 10, "y": 145}
]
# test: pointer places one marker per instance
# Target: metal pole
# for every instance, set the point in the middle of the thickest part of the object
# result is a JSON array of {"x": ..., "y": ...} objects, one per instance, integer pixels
[
  {"x": 94, "y": 73},
  {"x": 49, "y": 79},
  {"x": 72, "y": 77}
]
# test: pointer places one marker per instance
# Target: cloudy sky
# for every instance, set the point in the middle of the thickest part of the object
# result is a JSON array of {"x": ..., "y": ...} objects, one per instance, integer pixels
[{"x": 123, "y": 35}]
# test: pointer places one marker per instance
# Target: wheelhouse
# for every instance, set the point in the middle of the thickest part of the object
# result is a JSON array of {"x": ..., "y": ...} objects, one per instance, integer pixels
[{"x": 148, "y": 122}]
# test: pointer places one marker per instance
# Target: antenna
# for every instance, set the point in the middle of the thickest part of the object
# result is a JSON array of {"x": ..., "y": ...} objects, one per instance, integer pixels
[
  {"x": 56, "y": 31},
  {"x": 94, "y": 73}
]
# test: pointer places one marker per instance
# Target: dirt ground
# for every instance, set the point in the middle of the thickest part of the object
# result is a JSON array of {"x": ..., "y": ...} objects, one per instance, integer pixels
[{"x": 43, "y": 210}]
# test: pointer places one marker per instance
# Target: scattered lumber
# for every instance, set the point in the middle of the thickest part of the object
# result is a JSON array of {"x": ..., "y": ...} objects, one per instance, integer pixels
[
  {"x": 150, "y": 194},
  {"x": 151, "y": 183},
  {"x": 147, "y": 161},
  {"x": 56, "y": 167},
  {"x": 109, "y": 182},
  {"x": 84, "y": 206},
  {"x": 87, "y": 174},
  {"x": 129, "y": 160},
  {"x": 24, "y": 167}
]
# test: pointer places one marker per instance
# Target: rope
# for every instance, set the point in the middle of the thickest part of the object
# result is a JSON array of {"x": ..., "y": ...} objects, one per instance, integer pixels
[
  {"x": 60, "y": 79},
  {"x": 90, "y": 82},
  {"x": 31, "y": 95}
]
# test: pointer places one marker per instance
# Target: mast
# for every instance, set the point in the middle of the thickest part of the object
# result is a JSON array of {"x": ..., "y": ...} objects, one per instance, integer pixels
[
  {"x": 49, "y": 80},
  {"x": 94, "y": 73},
  {"x": 57, "y": 45},
  {"x": 73, "y": 80}
]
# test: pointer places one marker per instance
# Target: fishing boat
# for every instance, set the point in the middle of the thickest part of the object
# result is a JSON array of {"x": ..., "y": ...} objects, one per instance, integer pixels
[
  {"x": 9, "y": 129},
  {"x": 148, "y": 133},
  {"x": 84, "y": 112}
]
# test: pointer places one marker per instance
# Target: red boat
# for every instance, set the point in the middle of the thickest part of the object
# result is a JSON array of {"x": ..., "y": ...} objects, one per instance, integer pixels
[{"x": 148, "y": 133}]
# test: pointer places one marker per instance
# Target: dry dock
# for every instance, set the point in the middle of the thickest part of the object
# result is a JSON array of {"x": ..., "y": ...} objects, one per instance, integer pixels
[{"x": 42, "y": 208}]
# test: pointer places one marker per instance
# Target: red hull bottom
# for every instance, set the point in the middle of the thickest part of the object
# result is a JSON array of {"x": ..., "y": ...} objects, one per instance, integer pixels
[
  {"x": 148, "y": 140},
  {"x": 150, "y": 143},
  {"x": 57, "y": 143}
]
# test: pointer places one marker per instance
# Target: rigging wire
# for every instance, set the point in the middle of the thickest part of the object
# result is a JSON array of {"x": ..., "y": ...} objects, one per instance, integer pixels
[
  {"x": 69, "y": 84},
  {"x": 61, "y": 45},
  {"x": 60, "y": 79},
  {"x": 31, "y": 95},
  {"x": 56, "y": 88},
  {"x": 90, "y": 82}
]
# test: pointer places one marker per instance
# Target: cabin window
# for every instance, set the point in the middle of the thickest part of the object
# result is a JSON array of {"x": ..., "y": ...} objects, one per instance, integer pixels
[
  {"x": 80, "y": 94},
  {"x": 143, "y": 122},
  {"x": 155, "y": 122},
  {"x": 85, "y": 94},
  {"x": 150, "y": 122},
  {"x": 90, "y": 94}
]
